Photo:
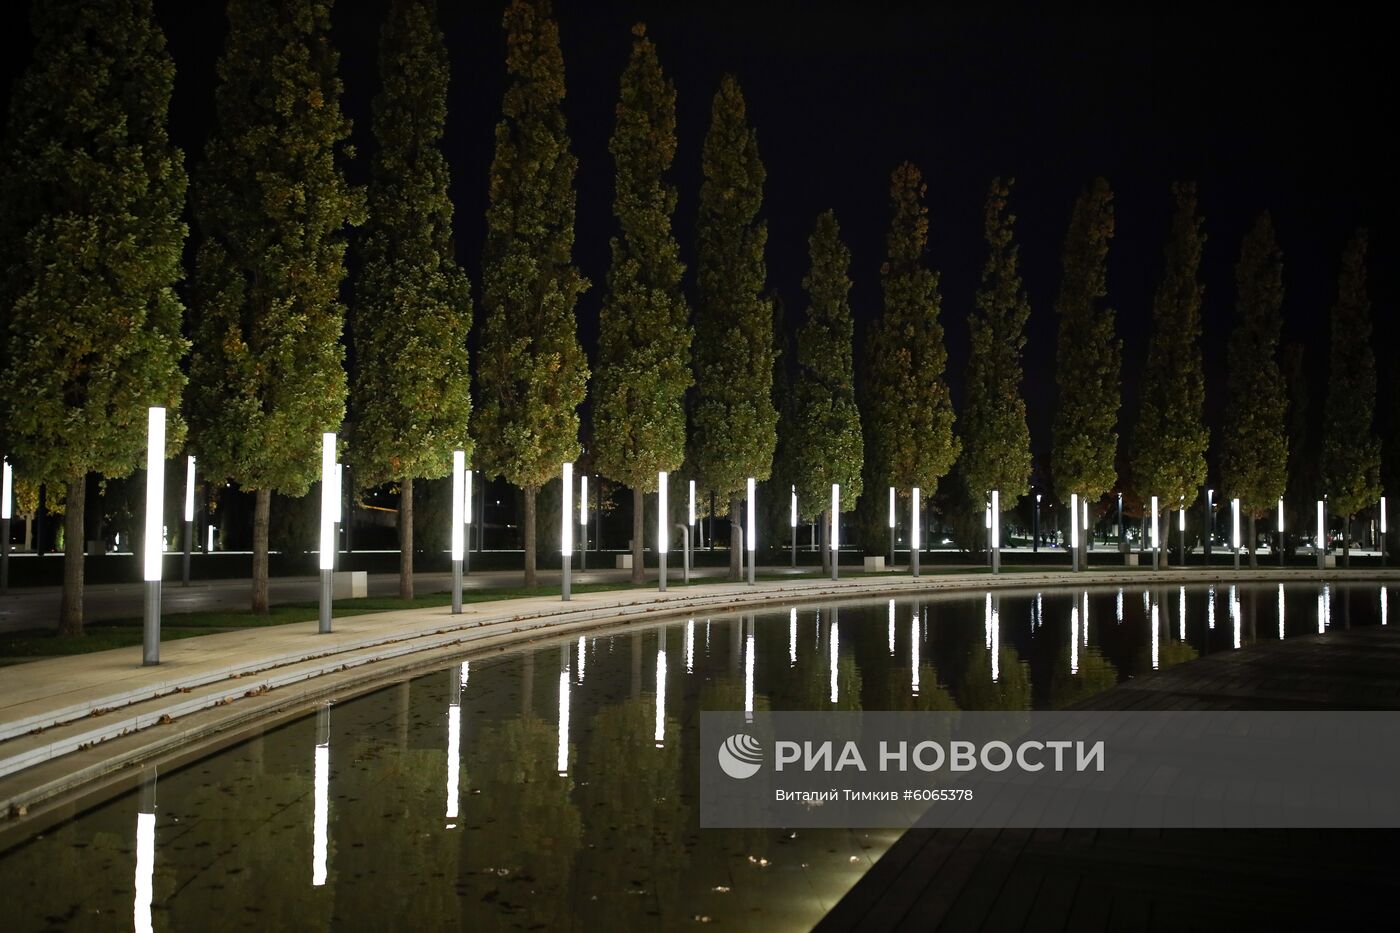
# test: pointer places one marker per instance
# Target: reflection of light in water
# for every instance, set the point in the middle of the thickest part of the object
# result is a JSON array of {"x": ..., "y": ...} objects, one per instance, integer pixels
[
  {"x": 995, "y": 626},
  {"x": 1146, "y": 602},
  {"x": 562, "y": 759},
  {"x": 1324, "y": 609},
  {"x": 1074, "y": 638},
  {"x": 707, "y": 636},
  {"x": 891, "y": 627},
  {"x": 466, "y": 673},
  {"x": 661, "y": 693},
  {"x": 1235, "y": 612},
  {"x": 835, "y": 649},
  {"x": 748, "y": 671},
  {"x": 1181, "y": 615},
  {"x": 690, "y": 646},
  {"x": 1210, "y": 609},
  {"x": 454, "y": 739},
  {"x": 792, "y": 637},
  {"x": 582, "y": 656},
  {"x": 1086, "y": 618},
  {"x": 1384, "y": 607},
  {"x": 145, "y": 870},
  {"x": 1156, "y": 637},
  {"x": 914, "y": 654},
  {"x": 1118, "y": 607},
  {"x": 987, "y": 623},
  {"x": 1039, "y": 610},
  {"x": 318, "y": 840},
  {"x": 1280, "y": 611}
]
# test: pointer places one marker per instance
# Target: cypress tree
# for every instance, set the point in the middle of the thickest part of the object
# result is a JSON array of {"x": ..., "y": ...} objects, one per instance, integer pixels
[
  {"x": 827, "y": 443},
  {"x": 1254, "y": 458},
  {"x": 733, "y": 426},
  {"x": 910, "y": 411},
  {"x": 644, "y": 342},
  {"x": 92, "y": 236},
  {"x": 1169, "y": 446},
  {"x": 411, "y": 395},
  {"x": 1088, "y": 355},
  {"x": 997, "y": 443},
  {"x": 531, "y": 375},
  {"x": 1304, "y": 474},
  {"x": 1351, "y": 452}
]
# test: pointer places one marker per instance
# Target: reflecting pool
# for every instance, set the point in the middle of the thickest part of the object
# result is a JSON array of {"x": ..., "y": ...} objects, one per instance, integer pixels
[{"x": 553, "y": 786}]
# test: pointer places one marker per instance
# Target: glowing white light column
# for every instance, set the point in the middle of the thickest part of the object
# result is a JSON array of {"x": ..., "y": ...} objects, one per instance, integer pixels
[
  {"x": 659, "y": 736},
  {"x": 155, "y": 532},
  {"x": 459, "y": 467},
  {"x": 1074, "y": 529},
  {"x": 561, "y": 763},
  {"x": 996, "y": 531},
  {"x": 7, "y": 488},
  {"x": 792, "y": 523},
  {"x": 467, "y": 520},
  {"x": 1156, "y": 542},
  {"x": 187, "y": 539},
  {"x": 1383, "y": 532},
  {"x": 835, "y": 543},
  {"x": 1235, "y": 530},
  {"x": 892, "y": 523},
  {"x": 662, "y": 538},
  {"x": 1280, "y": 531},
  {"x": 566, "y": 532},
  {"x": 751, "y": 532},
  {"x": 915, "y": 532},
  {"x": 583, "y": 521},
  {"x": 320, "y": 837},
  {"x": 454, "y": 746},
  {"x": 1321, "y": 544},
  {"x": 327, "y": 554}
]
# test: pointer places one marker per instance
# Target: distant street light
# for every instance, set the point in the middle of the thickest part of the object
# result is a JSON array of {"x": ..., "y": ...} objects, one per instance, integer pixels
[
  {"x": 1321, "y": 545},
  {"x": 1156, "y": 544},
  {"x": 996, "y": 531},
  {"x": 467, "y": 520},
  {"x": 892, "y": 523},
  {"x": 328, "y": 506},
  {"x": 1383, "y": 532},
  {"x": 187, "y": 539},
  {"x": 792, "y": 523},
  {"x": 1074, "y": 530},
  {"x": 835, "y": 529},
  {"x": 662, "y": 530},
  {"x": 1035, "y": 537},
  {"x": 1235, "y": 529},
  {"x": 566, "y": 533},
  {"x": 752, "y": 530},
  {"x": 155, "y": 532},
  {"x": 915, "y": 534},
  {"x": 459, "y": 467},
  {"x": 1280, "y": 531},
  {"x": 8, "y": 484},
  {"x": 583, "y": 522}
]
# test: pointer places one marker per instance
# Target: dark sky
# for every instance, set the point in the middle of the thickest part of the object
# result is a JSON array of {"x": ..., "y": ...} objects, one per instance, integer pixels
[{"x": 1272, "y": 109}]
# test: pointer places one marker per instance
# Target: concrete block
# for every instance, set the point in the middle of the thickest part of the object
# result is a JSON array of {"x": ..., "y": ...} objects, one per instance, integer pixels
[
  {"x": 874, "y": 564},
  {"x": 350, "y": 584}
]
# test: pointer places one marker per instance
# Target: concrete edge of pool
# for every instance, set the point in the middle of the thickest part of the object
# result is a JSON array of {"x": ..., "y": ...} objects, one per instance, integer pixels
[{"x": 68, "y": 723}]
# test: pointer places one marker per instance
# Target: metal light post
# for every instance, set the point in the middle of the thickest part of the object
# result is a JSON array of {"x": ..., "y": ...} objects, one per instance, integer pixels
[
  {"x": 752, "y": 531},
  {"x": 1321, "y": 545},
  {"x": 996, "y": 531},
  {"x": 337, "y": 485},
  {"x": 891, "y": 526},
  {"x": 467, "y": 522},
  {"x": 328, "y": 495},
  {"x": 1181, "y": 530},
  {"x": 187, "y": 539},
  {"x": 792, "y": 523},
  {"x": 583, "y": 522},
  {"x": 915, "y": 536},
  {"x": 1088, "y": 533},
  {"x": 5, "y": 510},
  {"x": 662, "y": 530},
  {"x": 566, "y": 533},
  {"x": 1208, "y": 524},
  {"x": 1235, "y": 529},
  {"x": 835, "y": 529},
  {"x": 691, "y": 515},
  {"x": 1280, "y": 530},
  {"x": 1074, "y": 531},
  {"x": 1122, "y": 534},
  {"x": 1035, "y": 537},
  {"x": 155, "y": 533},
  {"x": 1156, "y": 544},
  {"x": 1383, "y": 532},
  {"x": 459, "y": 468}
]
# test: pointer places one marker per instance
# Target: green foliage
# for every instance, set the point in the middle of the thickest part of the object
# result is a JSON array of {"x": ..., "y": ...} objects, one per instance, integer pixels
[
  {"x": 1351, "y": 452},
  {"x": 1254, "y": 458},
  {"x": 1304, "y": 473},
  {"x": 1169, "y": 447},
  {"x": 411, "y": 396},
  {"x": 531, "y": 373},
  {"x": 1088, "y": 356},
  {"x": 827, "y": 446},
  {"x": 997, "y": 443},
  {"x": 644, "y": 345},
  {"x": 273, "y": 207},
  {"x": 733, "y": 428},
  {"x": 91, "y": 236},
  {"x": 910, "y": 413}
]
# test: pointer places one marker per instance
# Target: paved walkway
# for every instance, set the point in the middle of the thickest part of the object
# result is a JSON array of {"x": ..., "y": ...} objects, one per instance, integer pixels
[{"x": 958, "y": 879}]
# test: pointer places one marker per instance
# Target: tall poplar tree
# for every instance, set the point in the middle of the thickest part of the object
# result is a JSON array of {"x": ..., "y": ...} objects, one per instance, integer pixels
[
  {"x": 910, "y": 413},
  {"x": 644, "y": 342},
  {"x": 410, "y": 399},
  {"x": 733, "y": 424},
  {"x": 827, "y": 444},
  {"x": 1254, "y": 455},
  {"x": 1351, "y": 452},
  {"x": 1169, "y": 445},
  {"x": 272, "y": 206},
  {"x": 91, "y": 237},
  {"x": 1088, "y": 355},
  {"x": 531, "y": 374},
  {"x": 1304, "y": 472},
  {"x": 996, "y": 441}
]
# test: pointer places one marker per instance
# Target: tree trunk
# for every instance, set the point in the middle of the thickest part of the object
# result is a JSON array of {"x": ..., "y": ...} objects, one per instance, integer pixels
[
  {"x": 825, "y": 542},
  {"x": 1164, "y": 538},
  {"x": 638, "y": 524},
  {"x": 530, "y": 492},
  {"x": 262, "y": 509},
  {"x": 70, "y": 614},
  {"x": 736, "y": 539},
  {"x": 1346, "y": 541},
  {"x": 1253, "y": 544},
  {"x": 406, "y": 538}
]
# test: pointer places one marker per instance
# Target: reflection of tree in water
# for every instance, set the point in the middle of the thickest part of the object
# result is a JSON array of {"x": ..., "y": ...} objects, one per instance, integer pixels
[
  {"x": 1169, "y": 654},
  {"x": 1096, "y": 674},
  {"x": 896, "y": 692},
  {"x": 634, "y": 821},
  {"x": 1012, "y": 689},
  {"x": 522, "y": 830}
]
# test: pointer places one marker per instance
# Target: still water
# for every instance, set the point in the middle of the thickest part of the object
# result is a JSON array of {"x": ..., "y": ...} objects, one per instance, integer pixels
[{"x": 554, "y": 786}]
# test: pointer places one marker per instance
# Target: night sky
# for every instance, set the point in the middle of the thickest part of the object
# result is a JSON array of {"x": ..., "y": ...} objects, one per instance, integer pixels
[{"x": 1278, "y": 109}]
